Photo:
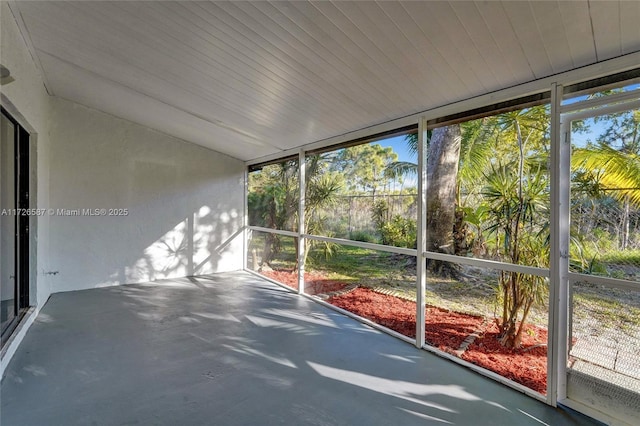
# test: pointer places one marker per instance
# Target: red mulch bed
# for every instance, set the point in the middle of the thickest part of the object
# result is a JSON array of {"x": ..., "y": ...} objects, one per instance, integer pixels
[
  {"x": 389, "y": 311},
  {"x": 314, "y": 283},
  {"x": 444, "y": 329},
  {"x": 527, "y": 366}
]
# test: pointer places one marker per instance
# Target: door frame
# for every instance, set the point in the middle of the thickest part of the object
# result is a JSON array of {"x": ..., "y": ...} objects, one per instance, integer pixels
[
  {"x": 568, "y": 113},
  {"x": 21, "y": 244}
]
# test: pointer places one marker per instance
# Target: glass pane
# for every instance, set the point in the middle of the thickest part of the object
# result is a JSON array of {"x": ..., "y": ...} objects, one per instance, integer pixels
[
  {"x": 605, "y": 195},
  {"x": 7, "y": 222},
  {"x": 464, "y": 317},
  {"x": 273, "y": 256},
  {"x": 376, "y": 285},
  {"x": 273, "y": 196},
  {"x": 488, "y": 188},
  {"x": 604, "y": 350},
  {"x": 365, "y": 192}
]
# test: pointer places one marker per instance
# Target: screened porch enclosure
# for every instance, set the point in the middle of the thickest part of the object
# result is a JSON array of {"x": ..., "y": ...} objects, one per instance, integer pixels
[
  {"x": 445, "y": 192},
  {"x": 535, "y": 281}
]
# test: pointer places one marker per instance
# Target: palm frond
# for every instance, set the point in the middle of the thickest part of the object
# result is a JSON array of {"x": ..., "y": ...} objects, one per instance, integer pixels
[
  {"x": 618, "y": 173},
  {"x": 399, "y": 169}
]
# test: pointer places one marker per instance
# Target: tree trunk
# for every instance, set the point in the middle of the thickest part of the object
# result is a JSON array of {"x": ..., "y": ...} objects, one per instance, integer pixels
[{"x": 442, "y": 174}]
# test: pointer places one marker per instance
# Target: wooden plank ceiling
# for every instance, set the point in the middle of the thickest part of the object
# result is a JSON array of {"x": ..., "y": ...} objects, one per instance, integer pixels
[{"x": 251, "y": 79}]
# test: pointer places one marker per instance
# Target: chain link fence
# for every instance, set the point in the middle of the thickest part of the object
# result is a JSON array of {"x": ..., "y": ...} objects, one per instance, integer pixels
[
  {"x": 354, "y": 216},
  {"x": 606, "y": 239},
  {"x": 604, "y": 343}
]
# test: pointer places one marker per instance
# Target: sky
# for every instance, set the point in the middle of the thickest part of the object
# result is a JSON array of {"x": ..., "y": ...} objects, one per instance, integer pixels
[
  {"x": 595, "y": 129},
  {"x": 399, "y": 147}
]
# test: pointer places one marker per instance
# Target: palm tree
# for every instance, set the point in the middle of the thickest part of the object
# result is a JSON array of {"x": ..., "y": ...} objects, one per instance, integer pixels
[
  {"x": 605, "y": 170},
  {"x": 322, "y": 188},
  {"x": 518, "y": 203},
  {"x": 274, "y": 199},
  {"x": 614, "y": 172},
  {"x": 272, "y": 203},
  {"x": 473, "y": 153}
]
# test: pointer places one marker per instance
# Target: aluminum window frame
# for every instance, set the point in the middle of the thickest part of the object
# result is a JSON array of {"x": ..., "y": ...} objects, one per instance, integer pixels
[{"x": 552, "y": 90}]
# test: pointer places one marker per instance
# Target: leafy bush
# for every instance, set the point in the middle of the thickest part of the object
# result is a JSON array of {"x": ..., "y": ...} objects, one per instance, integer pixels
[{"x": 399, "y": 232}]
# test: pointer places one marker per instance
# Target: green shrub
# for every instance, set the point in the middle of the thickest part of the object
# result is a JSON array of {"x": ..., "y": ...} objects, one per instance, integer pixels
[
  {"x": 380, "y": 214},
  {"x": 399, "y": 232},
  {"x": 364, "y": 237}
]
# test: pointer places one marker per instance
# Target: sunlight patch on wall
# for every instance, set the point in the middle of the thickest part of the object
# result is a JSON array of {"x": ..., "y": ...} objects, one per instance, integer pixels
[{"x": 195, "y": 246}]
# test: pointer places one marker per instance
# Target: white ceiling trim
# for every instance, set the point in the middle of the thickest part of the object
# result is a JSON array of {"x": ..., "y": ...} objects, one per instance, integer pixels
[
  {"x": 567, "y": 78},
  {"x": 26, "y": 36}
]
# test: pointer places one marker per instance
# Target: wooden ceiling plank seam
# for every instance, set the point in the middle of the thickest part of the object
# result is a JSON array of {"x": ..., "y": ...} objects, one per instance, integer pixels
[
  {"x": 505, "y": 38},
  {"x": 392, "y": 44},
  {"x": 346, "y": 50},
  {"x": 248, "y": 94},
  {"x": 152, "y": 103},
  {"x": 355, "y": 43},
  {"x": 83, "y": 45},
  {"x": 548, "y": 20},
  {"x": 404, "y": 23},
  {"x": 605, "y": 17},
  {"x": 348, "y": 121},
  {"x": 283, "y": 66},
  {"x": 463, "y": 43},
  {"x": 297, "y": 31},
  {"x": 366, "y": 64},
  {"x": 137, "y": 91},
  {"x": 357, "y": 23},
  {"x": 478, "y": 33},
  {"x": 351, "y": 121},
  {"x": 117, "y": 65},
  {"x": 629, "y": 26},
  {"x": 577, "y": 25},
  {"x": 231, "y": 94},
  {"x": 280, "y": 81},
  {"x": 431, "y": 35},
  {"x": 421, "y": 69},
  {"x": 320, "y": 93},
  {"x": 205, "y": 67},
  {"x": 319, "y": 37},
  {"x": 528, "y": 37},
  {"x": 449, "y": 44},
  {"x": 323, "y": 94}
]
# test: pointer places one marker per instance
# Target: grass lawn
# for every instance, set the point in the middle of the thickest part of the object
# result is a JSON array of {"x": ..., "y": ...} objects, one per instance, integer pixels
[{"x": 474, "y": 293}]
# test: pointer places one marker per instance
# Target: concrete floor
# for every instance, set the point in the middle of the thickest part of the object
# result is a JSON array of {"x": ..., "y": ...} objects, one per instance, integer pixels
[{"x": 232, "y": 349}]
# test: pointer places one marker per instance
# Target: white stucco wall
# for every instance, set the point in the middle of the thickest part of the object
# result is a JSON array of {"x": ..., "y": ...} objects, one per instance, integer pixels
[
  {"x": 184, "y": 203},
  {"x": 27, "y": 100}
]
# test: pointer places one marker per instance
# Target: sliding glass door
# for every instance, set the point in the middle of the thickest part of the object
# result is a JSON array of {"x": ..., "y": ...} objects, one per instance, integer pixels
[{"x": 14, "y": 225}]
